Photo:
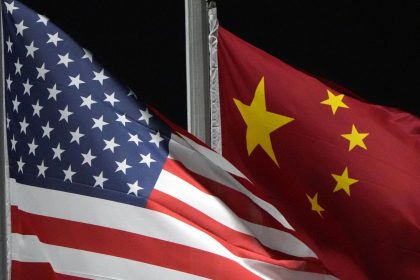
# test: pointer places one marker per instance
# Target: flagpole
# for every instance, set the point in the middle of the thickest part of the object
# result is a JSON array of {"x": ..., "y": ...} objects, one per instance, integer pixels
[
  {"x": 3, "y": 189},
  {"x": 197, "y": 65}
]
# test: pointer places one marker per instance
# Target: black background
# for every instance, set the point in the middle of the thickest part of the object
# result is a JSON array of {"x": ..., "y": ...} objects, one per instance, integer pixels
[{"x": 372, "y": 49}]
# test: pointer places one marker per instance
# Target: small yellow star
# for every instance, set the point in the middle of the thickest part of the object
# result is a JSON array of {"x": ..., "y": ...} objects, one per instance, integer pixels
[
  {"x": 260, "y": 122},
  {"x": 314, "y": 204},
  {"x": 334, "y": 101},
  {"x": 355, "y": 138},
  {"x": 343, "y": 181}
]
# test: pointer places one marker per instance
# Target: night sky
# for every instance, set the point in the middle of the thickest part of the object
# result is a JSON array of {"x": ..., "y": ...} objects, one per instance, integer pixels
[{"x": 373, "y": 50}]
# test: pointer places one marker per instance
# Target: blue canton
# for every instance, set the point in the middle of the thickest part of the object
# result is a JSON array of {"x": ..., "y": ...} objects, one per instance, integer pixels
[{"x": 70, "y": 125}]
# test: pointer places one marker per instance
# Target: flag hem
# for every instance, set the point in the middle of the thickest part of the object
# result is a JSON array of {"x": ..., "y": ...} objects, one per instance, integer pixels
[{"x": 215, "y": 125}]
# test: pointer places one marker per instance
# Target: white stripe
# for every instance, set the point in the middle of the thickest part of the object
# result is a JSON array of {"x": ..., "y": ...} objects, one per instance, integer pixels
[
  {"x": 211, "y": 155},
  {"x": 197, "y": 162},
  {"x": 219, "y": 211},
  {"x": 68, "y": 261},
  {"x": 133, "y": 219}
]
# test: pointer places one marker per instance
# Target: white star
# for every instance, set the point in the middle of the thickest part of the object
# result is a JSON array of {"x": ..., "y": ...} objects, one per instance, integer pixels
[
  {"x": 122, "y": 119},
  {"x": 20, "y": 27},
  {"x": 110, "y": 144},
  {"x": 75, "y": 81},
  {"x": 145, "y": 115},
  {"x": 32, "y": 147},
  {"x": 100, "y": 77},
  {"x": 65, "y": 114},
  {"x": 134, "y": 188},
  {"x": 57, "y": 152},
  {"x": 9, "y": 82},
  {"x": 75, "y": 136},
  {"x": 23, "y": 126},
  {"x": 54, "y": 39},
  {"x": 155, "y": 138},
  {"x": 42, "y": 71},
  {"x": 9, "y": 45},
  {"x": 7, "y": 121},
  {"x": 122, "y": 166},
  {"x": 111, "y": 99},
  {"x": 100, "y": 180},
  {"x": 99, "y": 123},
  {"x": 16, "y": 104},
  {"x": 18, "y": 67},
  {"x": 87, "y": 55},
  {"x": 53, "y": 92},
  {"x": 68, "y": 174},
  {"x": 87, "y": 101},
  {"x": 31, "y": 50},
  {"x": 41, "y": 169},
  {"x": 134, "y": 138},
  {"x": 11, "y": 7},
  {"x": 65, "y": 59},
  {"x": 37, "y": 109},
  {"x": 131, "y": 93},
  {"x": 27, "y": 87},
  {"x": 146, "y": 159},
  {"x": 42, "y": 19},
  {"x": 13, "y": 140},
  {"x": 20, "y": 165},
  {"x": 88, "y": 157},
  {"x": 47, "y": 130}
]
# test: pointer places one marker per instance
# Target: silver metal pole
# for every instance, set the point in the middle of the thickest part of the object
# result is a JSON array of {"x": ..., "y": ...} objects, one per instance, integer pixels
[
  {"x": 197, "y": 60},
  {"x": 4, "y": 271}
]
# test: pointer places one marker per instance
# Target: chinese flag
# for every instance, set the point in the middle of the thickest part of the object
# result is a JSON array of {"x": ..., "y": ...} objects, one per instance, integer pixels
[{"x": 345, "y": 173}]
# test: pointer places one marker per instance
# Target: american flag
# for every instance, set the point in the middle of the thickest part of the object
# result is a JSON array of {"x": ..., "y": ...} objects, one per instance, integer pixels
[{"x": 102, "y": 188}]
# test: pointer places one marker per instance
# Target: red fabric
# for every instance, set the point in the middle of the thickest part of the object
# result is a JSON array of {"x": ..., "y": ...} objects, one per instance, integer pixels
[
  {"x": 37, "y": 271},
  {"x": 372, "y": 234},
  {"x": 116, "y": 243}
]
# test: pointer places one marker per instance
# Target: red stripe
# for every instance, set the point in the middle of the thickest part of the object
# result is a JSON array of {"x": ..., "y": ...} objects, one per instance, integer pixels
[
  {"x": 35, "y": 271},
  {"x": 239, "y": 203},
  {"x": 125, "y": 245},
  {"x": 240, "y": 244}
]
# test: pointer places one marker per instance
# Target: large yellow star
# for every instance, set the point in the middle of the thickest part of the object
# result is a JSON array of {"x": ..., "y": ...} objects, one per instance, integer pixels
[
  {"x": 343, "y": 181},
  {"x": 260, "y": 123},
  {"x": 355, "y": 138},
  {"x": 335, "y": 101},
  {"x": 314, "y": 204}
]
